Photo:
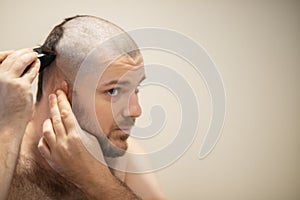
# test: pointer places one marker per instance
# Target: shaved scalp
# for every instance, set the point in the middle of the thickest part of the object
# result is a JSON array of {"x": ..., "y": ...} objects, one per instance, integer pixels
[{"x": 73, "y": 40}]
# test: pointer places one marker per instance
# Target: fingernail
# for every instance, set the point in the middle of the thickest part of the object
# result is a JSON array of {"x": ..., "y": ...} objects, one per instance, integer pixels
[{"x": 59, "y": 92}]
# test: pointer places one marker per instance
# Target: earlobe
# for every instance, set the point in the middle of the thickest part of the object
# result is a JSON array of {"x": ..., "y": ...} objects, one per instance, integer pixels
[{"x": 65, "y": 88}]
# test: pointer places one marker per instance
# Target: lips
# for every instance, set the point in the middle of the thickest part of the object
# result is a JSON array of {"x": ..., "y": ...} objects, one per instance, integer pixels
[{"x": 126, "y": 130}]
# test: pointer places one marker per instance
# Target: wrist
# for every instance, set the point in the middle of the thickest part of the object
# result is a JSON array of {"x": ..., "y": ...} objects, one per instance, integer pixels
[
  {"x": 95, "y": 181},
  {"x": 12, "y": 132}
]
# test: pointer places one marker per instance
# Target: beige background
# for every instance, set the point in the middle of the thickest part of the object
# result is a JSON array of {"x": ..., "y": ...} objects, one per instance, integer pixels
[{"x": 256, "y": 46}]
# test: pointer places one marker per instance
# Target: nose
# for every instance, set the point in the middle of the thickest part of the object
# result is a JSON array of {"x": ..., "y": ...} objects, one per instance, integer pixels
[{"x": 133, "y": 108}]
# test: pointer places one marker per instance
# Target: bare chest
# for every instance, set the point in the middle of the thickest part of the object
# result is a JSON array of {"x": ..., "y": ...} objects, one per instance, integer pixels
[
  {"x": 26, "y": 190},
  {"x": 36, "y": 183}
]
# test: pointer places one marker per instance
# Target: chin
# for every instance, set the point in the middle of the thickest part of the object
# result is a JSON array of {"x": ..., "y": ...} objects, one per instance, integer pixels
[
  {"x": 114, "y": 148},
  {"x": 114, "y": 144},
  {"x": 114, "y": 151}
]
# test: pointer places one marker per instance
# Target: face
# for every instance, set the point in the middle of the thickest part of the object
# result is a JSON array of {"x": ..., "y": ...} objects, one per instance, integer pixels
[{"x": 116, "y": 105}]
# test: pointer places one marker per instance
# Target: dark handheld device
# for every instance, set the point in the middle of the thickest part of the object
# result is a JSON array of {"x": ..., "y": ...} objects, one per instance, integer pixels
[{"x": 45, "y": 57}]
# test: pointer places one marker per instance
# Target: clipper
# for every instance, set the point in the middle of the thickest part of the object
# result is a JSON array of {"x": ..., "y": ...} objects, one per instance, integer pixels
[{"x": 45, "y": 57}]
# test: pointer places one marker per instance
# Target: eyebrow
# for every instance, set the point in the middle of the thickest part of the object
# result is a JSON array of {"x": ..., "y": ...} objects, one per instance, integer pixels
[{"x": 114, "y": 82}]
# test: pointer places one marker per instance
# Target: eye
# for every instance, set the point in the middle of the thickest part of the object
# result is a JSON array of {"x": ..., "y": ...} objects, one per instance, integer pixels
[{"x": 113, "y": 92}]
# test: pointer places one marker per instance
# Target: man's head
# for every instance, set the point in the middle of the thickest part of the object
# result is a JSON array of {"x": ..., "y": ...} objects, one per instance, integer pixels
[{"x": 103, "y": 68}]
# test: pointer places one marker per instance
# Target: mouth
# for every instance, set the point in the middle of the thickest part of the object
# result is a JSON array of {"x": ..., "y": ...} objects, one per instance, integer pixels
[
  {"x": 126, "y": 130},
  {"x": 123, "y": 133}
]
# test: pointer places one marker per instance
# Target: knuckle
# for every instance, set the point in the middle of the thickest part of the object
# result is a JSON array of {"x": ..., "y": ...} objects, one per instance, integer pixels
[
  {"x": 56, "y": 120},
  {"x": 21, "y": 61},
  {"x": 47, "y": 133},
  {"x": 65, "y": 113},
  {"x": 75, "y": 139},
  {"x": 12, "y": 56},
  {"x": 70, "y": 123},
  {"x": 65, "y": 148},
  {"x": 62, "y": 145}
]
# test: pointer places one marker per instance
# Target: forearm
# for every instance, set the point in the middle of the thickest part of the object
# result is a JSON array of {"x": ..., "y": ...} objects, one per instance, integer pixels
[
  {"x": 106, "y": 186},
  {"x": 10, "y": 142},
  {"x": 16, "y": 108}
]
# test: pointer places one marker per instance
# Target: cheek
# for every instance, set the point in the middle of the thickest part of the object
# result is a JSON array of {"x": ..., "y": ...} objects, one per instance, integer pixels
[{"x": 104, "y": 116}]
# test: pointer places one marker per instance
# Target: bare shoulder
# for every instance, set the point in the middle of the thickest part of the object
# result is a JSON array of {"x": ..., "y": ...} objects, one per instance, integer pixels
[{"x": 145, "y": 184}]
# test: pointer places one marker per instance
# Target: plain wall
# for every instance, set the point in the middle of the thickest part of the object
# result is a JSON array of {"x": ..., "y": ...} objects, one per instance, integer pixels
[{"x": 256, "y": 47}]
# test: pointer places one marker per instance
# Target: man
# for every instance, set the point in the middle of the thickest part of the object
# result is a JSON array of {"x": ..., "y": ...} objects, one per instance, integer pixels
[{"x": 91, "y": 86}]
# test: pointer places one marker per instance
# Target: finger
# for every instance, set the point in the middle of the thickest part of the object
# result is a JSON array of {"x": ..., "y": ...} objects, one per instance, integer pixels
[
  {"x": 33, "y": 71},
  {"x": 17, "y": 62},
  {"x": 57, "y": 123},
  {"x": 4, "y": 54},
  {"x": 44, "y": 148},
  {"x": 49, "y": 134},
  {"x": 22, "y": 63},
  {"x": 11, "y": 59},
  {"x": 67, "y": 115}
]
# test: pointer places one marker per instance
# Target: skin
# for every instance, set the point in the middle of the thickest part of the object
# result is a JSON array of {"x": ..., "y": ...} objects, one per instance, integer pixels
[
  {"x": 62, "y": 128},
  {"x": 116, "y": 104},
  {"x": 54, "y": 131},
  {"x": 17, "y": 103}
]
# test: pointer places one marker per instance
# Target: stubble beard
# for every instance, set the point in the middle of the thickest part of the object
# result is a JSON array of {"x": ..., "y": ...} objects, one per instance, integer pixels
[{"x": 109, "y": 149}]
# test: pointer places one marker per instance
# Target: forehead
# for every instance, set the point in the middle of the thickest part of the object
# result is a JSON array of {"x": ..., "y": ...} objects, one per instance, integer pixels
[{"x": 124, "y": 68}]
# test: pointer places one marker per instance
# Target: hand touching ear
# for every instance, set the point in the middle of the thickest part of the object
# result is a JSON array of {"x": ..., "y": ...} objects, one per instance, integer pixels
[
  {"x": 61, "y": 144},
  {"x": 62, "y": 147}
]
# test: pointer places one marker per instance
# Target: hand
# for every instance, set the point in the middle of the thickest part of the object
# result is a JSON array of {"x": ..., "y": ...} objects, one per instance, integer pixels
[
  {"x": 15, "y": 87},
  {"x": 16, "y": 108},
  {"x": 62, "y": 145}
]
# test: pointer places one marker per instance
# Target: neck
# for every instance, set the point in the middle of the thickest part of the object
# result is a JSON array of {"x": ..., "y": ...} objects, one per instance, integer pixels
[{"x": 34, "y": 133}]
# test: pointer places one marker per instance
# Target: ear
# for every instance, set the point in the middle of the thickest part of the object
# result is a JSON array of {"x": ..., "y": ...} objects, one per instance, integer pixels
[{"x": 65, "y": 88}]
